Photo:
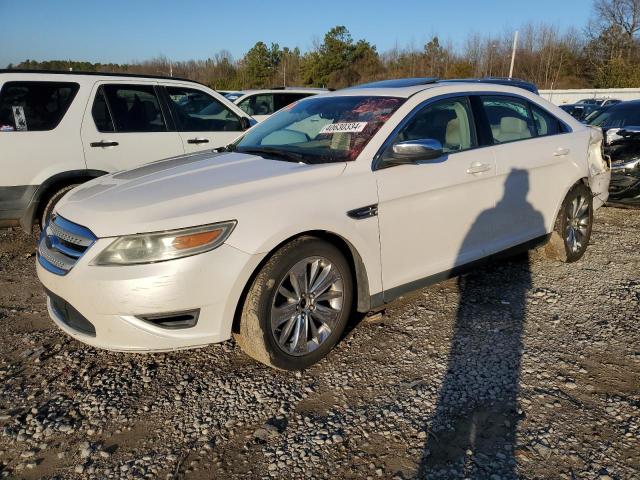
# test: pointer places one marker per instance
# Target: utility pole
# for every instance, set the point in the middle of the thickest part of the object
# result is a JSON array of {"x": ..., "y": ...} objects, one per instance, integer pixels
[{"x": 513, "y": 53}]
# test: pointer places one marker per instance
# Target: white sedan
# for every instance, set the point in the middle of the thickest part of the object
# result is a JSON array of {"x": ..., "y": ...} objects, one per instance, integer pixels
[{"x": 341, "y": 202}]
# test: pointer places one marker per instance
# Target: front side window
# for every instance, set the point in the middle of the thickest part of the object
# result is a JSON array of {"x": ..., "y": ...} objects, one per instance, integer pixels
[
  {"x": 321, "y": 129},
  {"x": 510, "y": 118},
  {"x": 262, "y": 104},
  {"x": 195, "y": 111},
  {"x": 134, "y": 108},
  {"x": 546, "y": 124},
  {"x": 34, "y": 106},
  {"x": 447, "y": 121}
]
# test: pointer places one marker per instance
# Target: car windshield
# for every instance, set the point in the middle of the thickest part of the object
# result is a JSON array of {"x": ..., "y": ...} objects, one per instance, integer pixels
[
  {"x": 618, "y": 116},
  {"x": 321, "y": 129}
]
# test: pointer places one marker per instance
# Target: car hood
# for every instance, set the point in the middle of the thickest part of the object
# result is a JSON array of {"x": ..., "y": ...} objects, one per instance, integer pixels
[{"x": 185, "y": 191}]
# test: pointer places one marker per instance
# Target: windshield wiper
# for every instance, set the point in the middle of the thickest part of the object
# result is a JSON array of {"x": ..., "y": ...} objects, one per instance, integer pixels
[
  {"x": 279, "y": 154},
  {"x": 227, "y": 148}
]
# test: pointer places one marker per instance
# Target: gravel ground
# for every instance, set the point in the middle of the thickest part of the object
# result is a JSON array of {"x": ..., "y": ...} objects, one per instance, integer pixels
[{"x": 523, "y": 369}]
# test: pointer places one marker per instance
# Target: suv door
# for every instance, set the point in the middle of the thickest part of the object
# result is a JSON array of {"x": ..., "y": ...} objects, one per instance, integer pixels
[
  {"x": 427, "y": 210},
  {"x": 125, "y": 126},
  {"x": 203, "y": 121}
]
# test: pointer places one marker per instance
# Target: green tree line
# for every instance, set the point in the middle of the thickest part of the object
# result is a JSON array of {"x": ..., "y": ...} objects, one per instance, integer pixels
[{"x": 605, "y": 54}]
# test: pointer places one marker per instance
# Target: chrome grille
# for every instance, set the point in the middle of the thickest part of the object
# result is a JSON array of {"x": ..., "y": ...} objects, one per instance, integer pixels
[{"x": 62, "y": 244}]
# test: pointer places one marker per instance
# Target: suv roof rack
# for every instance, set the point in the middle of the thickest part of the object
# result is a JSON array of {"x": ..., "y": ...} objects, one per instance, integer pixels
[{"x": 104, "y": 74}]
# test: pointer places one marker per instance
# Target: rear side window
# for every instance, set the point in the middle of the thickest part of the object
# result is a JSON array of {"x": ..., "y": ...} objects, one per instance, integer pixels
[
  {"x": 133, "y": 108},
  {"x": 509, "y": 117},
  {"x": 34, "y": 106}
]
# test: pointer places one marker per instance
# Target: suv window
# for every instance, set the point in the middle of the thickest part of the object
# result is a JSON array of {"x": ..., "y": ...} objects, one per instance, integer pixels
[
  {"x": 101, "y": 114},
  {"x": 546, "y": 124},
  {"x": 195, "y": 111},
  {"x": 34, "y": 106},
  {"x": 509, "y": 117},
  {"x": 448, "y": 121},
  {"x": 261, "y": 104},
  {"x": 134, "y": 108}
]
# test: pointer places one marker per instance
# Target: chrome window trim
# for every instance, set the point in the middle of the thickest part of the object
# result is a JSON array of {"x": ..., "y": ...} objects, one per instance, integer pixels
[{"x": 376, "y": 163}]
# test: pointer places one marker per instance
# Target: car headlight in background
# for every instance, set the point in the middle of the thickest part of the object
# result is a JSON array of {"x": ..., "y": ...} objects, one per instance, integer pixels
[{"x": 162, "y": 246}]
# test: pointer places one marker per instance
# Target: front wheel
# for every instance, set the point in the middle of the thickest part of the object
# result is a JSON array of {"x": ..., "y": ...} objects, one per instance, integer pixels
[
  {"x": 572, "y": 230},
  {"x": 297, "y": 306}
]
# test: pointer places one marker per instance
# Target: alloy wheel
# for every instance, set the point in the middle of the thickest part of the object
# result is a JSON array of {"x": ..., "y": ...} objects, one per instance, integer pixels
[
  {"x": 577, "y": 223},
  {"x": 307, "y": 305}
]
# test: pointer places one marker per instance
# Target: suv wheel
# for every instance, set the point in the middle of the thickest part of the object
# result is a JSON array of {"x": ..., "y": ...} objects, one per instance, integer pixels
[
  {"x": 572, "y": 230},
  {"x": 51, "y": 203},
  {"x": 297, "y": 306}
]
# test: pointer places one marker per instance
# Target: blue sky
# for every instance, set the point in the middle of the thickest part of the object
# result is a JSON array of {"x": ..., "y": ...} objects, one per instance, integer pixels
[{"x": 125, "y": 30}]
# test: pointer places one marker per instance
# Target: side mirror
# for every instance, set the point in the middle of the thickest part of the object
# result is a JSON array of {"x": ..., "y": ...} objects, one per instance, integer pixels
[
  {"x": 413, "y": 151},
  {"x": 246, "y": 123}
]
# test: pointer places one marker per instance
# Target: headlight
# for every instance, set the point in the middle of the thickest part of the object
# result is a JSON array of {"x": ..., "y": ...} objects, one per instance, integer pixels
[{"x": 162, "y": 246}]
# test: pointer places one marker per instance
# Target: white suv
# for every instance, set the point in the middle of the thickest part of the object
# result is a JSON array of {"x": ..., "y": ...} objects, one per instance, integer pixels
[
  {"x": 58, "y": 130},
  {"x": 261, "y": 104},
  {"x": 344, "y": 201}
]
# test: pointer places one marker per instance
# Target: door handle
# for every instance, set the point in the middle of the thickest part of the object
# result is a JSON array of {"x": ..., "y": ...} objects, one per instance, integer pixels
[
  {"x": 478, "y": 167},
  {"x": 198, "y": 140},
  {"x": 561, "y": 152},
  {"x": 103, "y": 143}
]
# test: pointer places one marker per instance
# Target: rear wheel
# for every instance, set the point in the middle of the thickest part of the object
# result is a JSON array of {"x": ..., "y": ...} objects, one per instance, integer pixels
[
  {"x": 572, "y": 230},
  {"x": 298, "y": 305},
  {"x": 51, "y": 203}
]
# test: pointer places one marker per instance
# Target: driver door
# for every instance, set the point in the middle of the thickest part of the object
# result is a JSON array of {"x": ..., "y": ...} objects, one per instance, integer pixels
[{"x": 436, "y": 214}]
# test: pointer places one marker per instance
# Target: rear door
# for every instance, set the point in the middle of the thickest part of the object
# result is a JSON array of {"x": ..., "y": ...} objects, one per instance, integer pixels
[
  {"x": 203, "y": 121},
  {"x": 534, "y": 164},
  {"x": 125, "y": 125}
]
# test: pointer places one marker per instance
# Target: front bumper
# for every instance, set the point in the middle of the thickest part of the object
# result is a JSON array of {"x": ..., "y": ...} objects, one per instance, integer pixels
[{"x": 112, "y": 299}]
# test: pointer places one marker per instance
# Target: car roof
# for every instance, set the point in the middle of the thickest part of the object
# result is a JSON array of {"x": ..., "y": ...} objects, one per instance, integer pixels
[
  {"x": 423, "y": 81},
  {"x": 95, "y": 74},
  {"x": 284, "y": 90}
]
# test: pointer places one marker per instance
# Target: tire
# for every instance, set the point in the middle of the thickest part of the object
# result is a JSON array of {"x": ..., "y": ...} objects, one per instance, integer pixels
[
  {"x": 572, "y": 230},
  {"x": 51, "y": 204},
  {"x": 274, "y": 310}
]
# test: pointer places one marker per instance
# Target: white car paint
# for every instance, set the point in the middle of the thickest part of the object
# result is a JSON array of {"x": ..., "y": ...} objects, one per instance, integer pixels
[
  {"x": 32, "y": 159},
  {"x": 425, "y": 213}
]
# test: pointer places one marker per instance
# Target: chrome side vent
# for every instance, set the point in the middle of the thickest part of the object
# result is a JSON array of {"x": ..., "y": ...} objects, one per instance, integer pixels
[{"x": 62, "y": 243}]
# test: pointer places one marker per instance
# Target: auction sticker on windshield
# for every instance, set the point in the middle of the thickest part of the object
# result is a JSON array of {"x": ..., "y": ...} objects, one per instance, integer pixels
[{"x": 344, "y": 127}]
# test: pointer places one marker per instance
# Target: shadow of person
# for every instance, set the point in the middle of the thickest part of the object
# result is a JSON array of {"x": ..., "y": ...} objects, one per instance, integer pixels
[{"x": 472, "y": 433}]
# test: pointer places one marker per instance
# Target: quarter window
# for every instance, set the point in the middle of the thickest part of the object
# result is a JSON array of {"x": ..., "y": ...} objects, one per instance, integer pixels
[
  {"x": 546, "y": 124},
  {"x": 447, "y": 121},
  {"x": 134, "y": 108},
  {"x": 195, "y": 111},
  {"x": 34, "y": 106},
  {"x": 510, "y": 118}
]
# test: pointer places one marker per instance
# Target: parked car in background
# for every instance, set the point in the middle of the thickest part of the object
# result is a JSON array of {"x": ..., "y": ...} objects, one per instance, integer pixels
[
  {"x": 343, "y": 201},
  {"x": 260, "y": 104},
  {"x": 621, "y": 127},
  {"x": 231, "y": 95},
  {"x": 598, "y": 102},
  {"x": 586, "y": 107},
  {"x": 60, "y": 129}
]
